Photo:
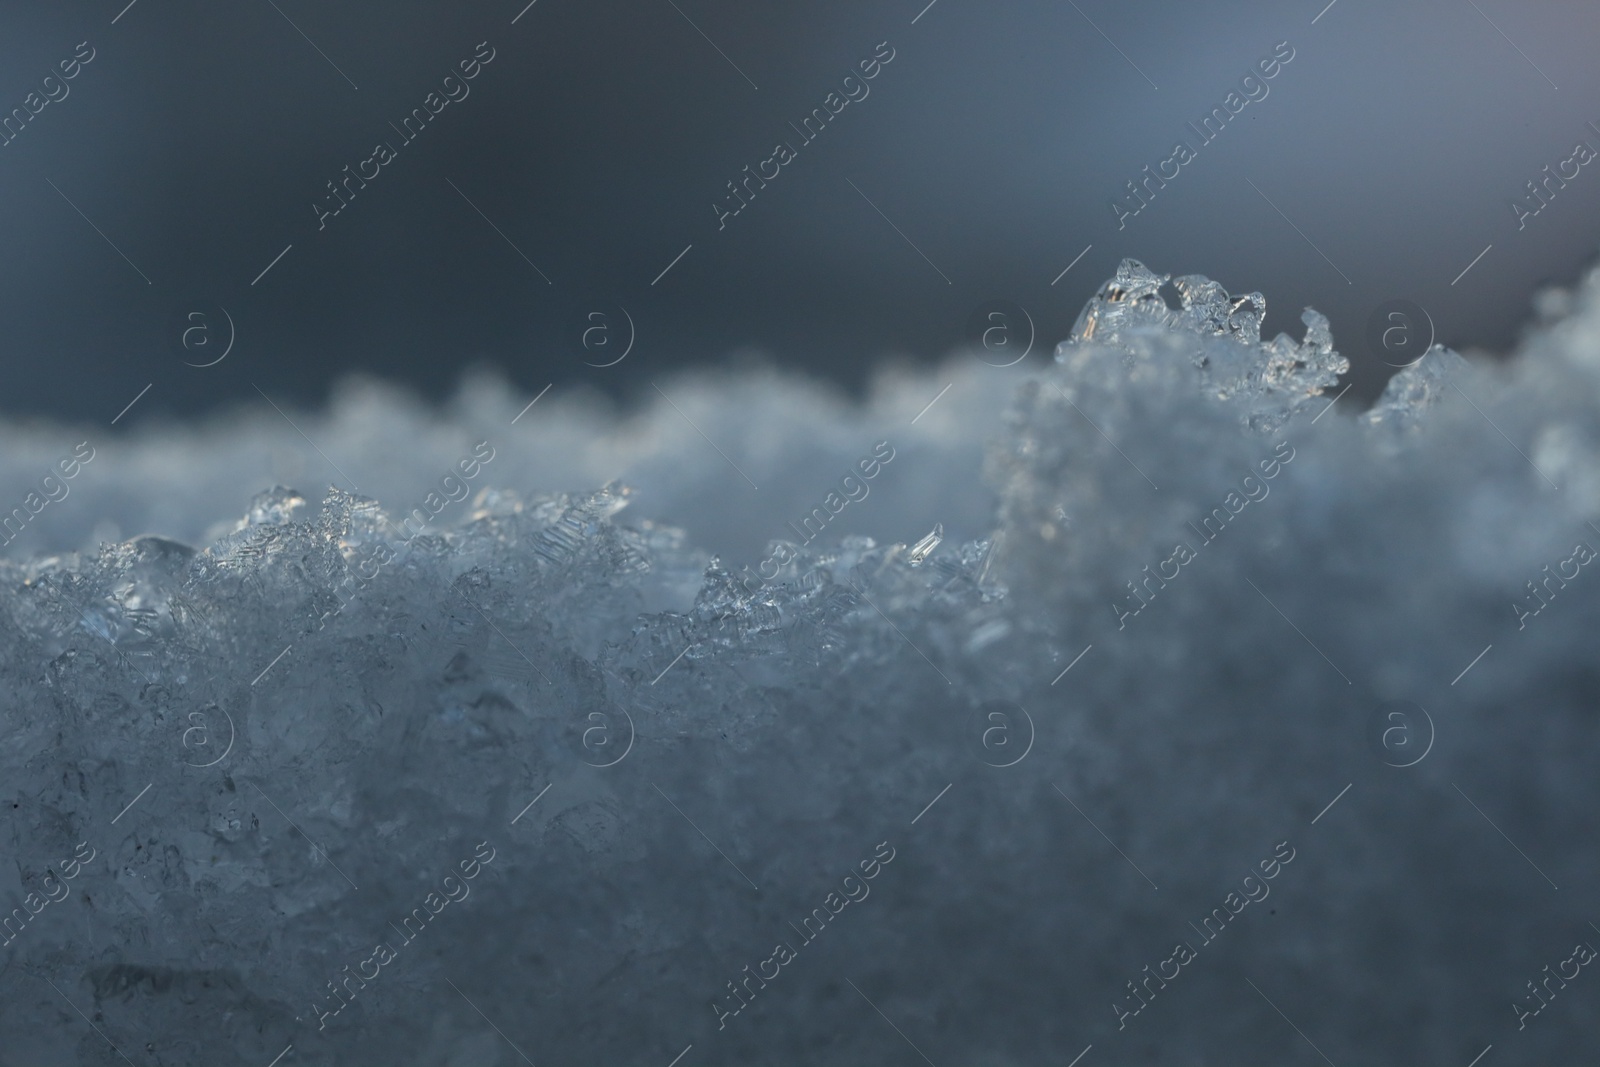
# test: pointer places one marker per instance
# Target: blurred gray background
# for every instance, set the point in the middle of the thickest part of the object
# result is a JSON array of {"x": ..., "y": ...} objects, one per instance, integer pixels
[{"x": 188, "y": 153}]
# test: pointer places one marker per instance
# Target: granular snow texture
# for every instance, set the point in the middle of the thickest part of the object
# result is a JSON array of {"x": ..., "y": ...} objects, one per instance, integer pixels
[{"x": 1211, "y": 725}]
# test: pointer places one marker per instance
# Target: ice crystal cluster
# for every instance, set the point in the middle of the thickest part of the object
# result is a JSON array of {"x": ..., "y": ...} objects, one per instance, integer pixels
[{"x": 1211, "y": 725}]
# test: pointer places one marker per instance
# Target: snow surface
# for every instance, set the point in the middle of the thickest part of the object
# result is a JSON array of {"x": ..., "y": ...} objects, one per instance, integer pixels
[{"x": 240, "y": 768}]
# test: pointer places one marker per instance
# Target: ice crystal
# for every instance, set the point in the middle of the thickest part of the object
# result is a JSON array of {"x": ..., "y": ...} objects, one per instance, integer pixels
[{"x": 261, "y": 757}]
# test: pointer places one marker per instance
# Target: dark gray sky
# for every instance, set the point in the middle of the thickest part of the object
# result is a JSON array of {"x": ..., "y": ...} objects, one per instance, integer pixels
[{"x": 189, "y": 152}]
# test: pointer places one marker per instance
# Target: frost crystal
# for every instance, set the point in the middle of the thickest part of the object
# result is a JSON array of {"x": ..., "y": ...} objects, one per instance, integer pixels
[
  {"x": 1415, "y": 389},
  {"x": 919, "y": 551},
  {"x": 248, "y": 766},
  {"x": 1271, "y": 381}
]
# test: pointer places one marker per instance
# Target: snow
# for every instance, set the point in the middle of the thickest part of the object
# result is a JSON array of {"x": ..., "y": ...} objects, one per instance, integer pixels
[{"x": 279, "y": 744}]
